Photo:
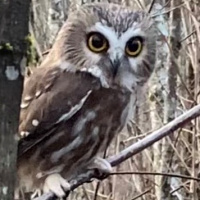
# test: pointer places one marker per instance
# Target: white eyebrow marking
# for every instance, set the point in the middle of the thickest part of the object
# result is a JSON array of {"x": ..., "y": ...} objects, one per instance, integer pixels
[
  {"x": 115, "y": 41},
  {"x": 117, "y": 44}
]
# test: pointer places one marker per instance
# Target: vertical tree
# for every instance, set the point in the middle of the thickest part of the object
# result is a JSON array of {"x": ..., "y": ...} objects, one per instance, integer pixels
[
  {"x": 14, "y": 19},
  {"x": 170, "y": 102}
]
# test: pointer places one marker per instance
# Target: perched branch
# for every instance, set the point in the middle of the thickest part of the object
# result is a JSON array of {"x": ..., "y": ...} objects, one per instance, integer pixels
[{"x": 134, "y": 149}]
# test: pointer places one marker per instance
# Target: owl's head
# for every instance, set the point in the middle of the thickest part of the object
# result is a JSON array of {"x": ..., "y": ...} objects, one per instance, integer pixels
[{"x": 114, "y": 43}]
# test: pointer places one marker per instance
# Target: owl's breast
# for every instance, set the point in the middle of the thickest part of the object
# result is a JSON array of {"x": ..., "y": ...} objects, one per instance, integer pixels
[{"x": 101, "y": 118}]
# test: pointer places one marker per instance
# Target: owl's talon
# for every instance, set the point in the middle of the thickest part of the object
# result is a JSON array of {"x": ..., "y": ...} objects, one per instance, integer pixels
[
  {"x": 17, "y": 194},
  {"x": 102, "y": 167},
  {"x": 37, "y": 193},
  {"x": 101, "y": 175},
  {"x": 56, "y": 184}
]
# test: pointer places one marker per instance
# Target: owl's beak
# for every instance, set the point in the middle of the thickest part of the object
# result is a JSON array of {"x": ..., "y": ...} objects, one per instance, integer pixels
[{"x": 115, "y": 66}]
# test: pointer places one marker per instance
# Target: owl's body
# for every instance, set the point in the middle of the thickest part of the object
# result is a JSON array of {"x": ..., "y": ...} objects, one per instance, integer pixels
[
  {"x": 81, "y": 96},
  {"x": 69, "y": 146}
]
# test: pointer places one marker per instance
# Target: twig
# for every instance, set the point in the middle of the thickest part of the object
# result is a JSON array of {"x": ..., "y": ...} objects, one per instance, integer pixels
[
  {"x": 151, "y": 6},
  {"x": 142, "y": 194},
  {"x": 96, "y": 190},
  {"x": 189, "y": 35},
  {"x": 157, "y": 174},
  {"x": 135, "y": 148}
]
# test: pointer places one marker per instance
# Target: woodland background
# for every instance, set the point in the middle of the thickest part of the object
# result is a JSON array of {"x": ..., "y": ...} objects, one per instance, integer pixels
[{"x": 27, "y": 31}]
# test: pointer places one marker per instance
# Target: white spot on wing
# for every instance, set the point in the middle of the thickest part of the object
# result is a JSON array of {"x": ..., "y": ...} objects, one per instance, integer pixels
[
  {"x": 38, "y": 93},
  {"x": 35, "y": 122},
  {"x": 24, "y": 104},
  {"x": 95, "y": 131},
  {"x": 90, "y": 115},
  {"x": 28, "y": 98},
  {"x": 24, "y": 134},
  {"x": 47, "y": 86},
  {"x": 74, "y": 109}
]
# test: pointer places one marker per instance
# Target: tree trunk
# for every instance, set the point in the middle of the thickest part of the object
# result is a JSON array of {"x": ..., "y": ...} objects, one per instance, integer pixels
[
  {"x": 14, "y": 18},
  {"x": 169, "y": 158}
]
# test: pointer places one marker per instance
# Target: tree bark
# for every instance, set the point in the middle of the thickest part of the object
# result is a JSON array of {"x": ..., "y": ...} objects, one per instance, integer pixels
[
  {"x": 169, "y": 158},
  {"x": 14, "y": 18}
]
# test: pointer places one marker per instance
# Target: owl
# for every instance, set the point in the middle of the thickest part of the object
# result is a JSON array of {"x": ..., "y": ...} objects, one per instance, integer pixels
[{"x": 82, "y": 95}]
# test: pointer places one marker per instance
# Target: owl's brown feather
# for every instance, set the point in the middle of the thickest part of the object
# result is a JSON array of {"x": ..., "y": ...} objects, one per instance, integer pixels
[
  {"x": 77, "y": 101},
  {"x": 55, "y": 143},
  {"x": 53, "y": 102}
]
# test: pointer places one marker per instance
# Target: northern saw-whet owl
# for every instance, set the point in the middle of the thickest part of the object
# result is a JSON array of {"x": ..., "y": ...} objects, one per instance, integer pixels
[{"x": 82, "y": 95}]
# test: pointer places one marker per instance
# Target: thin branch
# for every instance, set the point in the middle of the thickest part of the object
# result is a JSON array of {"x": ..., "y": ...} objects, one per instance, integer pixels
[
  {"x": 96, "y": 190},
  {"x": 135, "y": 148},
  {"x": 158, "y": 174},
  {"x": 151, "y": 6},
  {"x": 177, "y": 189},
  {"x": 189, "y": 35},
  {"x": 142, "y": 194},
  {"x": 155, "y": 136}
]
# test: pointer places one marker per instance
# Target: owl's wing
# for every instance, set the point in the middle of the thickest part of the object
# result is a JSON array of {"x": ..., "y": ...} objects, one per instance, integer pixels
[{"x": 50, "y": 96}]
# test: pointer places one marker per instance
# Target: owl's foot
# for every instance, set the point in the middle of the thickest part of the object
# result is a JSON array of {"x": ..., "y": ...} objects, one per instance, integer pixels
[
  {"x": 102, "y": 167},
  {"x": 17, "y": 194},
  {"x": 37, "y": 193},
  {"x": 56, "y": 184}
]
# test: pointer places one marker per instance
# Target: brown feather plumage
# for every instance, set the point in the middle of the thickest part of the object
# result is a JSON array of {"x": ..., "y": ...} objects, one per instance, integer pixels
[{"x": 75, "y": 103}]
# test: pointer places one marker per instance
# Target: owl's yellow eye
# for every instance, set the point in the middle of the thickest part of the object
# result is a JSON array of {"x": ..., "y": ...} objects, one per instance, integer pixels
[
  {"x": 134, "y": 46},
  {"x": 97, "y": 43}
]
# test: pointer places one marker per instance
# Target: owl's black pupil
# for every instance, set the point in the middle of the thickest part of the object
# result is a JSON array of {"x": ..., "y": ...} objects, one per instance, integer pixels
[
  {"x": 133, "y": 45},
  {"x": 97, "y": 41}
]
